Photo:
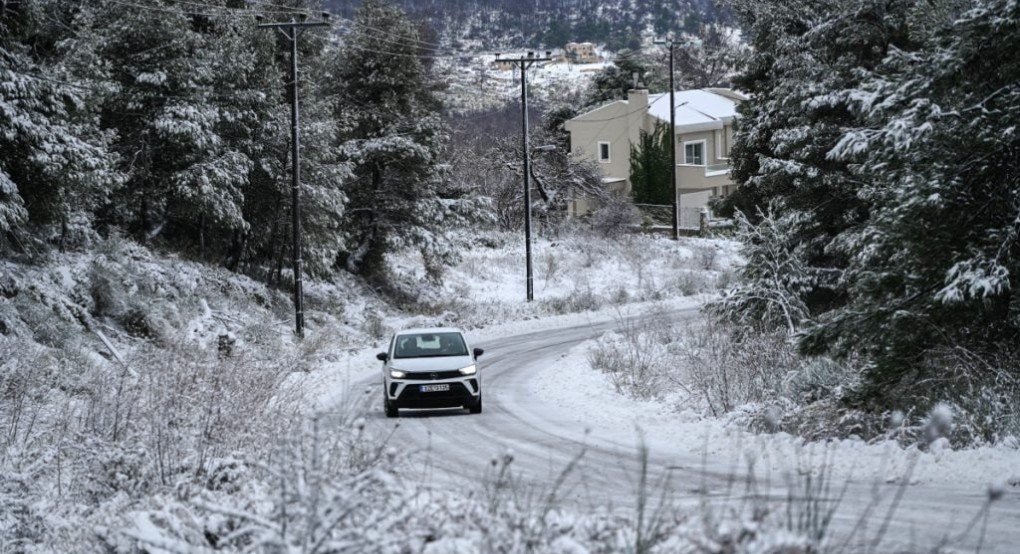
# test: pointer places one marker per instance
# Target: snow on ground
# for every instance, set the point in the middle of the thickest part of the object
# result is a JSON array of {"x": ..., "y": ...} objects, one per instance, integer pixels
[
  {"x": 577, "y": 279},
  {"x": 588, "y": 395},
  {"x": 158, "y": 311},
  {"x": 643, "y": 273}
]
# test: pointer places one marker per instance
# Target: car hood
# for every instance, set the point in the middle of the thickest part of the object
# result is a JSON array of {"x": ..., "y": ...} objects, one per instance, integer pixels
[{"x": 438, "y": 363}]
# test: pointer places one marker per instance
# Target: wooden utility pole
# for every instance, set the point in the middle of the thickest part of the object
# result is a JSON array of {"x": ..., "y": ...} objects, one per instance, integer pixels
[
  {"x": 292, "y": 30},
  {"x": 672, "y": 140},
  {"x": 525, "y": 62}
]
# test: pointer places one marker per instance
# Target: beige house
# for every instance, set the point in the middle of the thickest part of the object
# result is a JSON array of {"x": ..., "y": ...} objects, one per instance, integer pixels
[
  {"x": 704, "y": 134},
  {"x": 581, "y": 52}
]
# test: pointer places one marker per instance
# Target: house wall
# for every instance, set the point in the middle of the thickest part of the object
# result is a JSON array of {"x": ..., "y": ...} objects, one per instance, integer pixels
[{"x": 620, "y": 124}]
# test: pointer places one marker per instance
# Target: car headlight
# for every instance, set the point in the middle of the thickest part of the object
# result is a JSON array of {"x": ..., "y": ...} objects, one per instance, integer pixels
[
  {"x": 469, "y": 370},
  {"x": 397, "y": 374}
]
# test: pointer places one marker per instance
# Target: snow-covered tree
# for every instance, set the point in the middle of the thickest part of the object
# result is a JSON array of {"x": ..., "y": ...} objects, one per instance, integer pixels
[
  {"x": 198, "y": 101},
  {"x": 393, "y": 136},
  {"x": 807, "y": 56},
  {"x": 887, "y": 145},
  {"x": 260, "y": 128},
  {"x": 935, "y": 267},
  {"x": 55, "y": 167},
  {"x": 774, "y": 279},
  {"x": 162, "y": 66}
]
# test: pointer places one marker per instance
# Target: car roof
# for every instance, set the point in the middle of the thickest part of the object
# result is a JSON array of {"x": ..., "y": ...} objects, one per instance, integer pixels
[{"x": 429, "y": 330}]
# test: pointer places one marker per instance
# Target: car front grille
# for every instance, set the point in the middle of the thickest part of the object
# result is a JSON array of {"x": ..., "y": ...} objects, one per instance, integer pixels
[
  {"x": 412, "y": 393},
  {"x": 432, "y": 375}
]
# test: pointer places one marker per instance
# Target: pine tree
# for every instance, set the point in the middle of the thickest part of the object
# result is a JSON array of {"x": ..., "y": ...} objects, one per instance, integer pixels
[
  {"x": 393, "y": 136},
  {"x": 55, "y": 167},
  {"x": 165, "y": 106},
  {"x": 198, "y": 103},
  {"x": 260, "y": 129},
  {"x": 807, "y": 58},
  {"x": 932, "y": 272}
]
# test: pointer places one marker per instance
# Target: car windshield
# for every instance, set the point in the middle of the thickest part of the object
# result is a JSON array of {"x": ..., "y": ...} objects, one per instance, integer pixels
[{"x": 427, "y": 345}]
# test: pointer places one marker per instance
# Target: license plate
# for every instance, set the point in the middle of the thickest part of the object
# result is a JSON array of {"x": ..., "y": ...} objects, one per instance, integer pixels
[{"x": 434, "y": 388}]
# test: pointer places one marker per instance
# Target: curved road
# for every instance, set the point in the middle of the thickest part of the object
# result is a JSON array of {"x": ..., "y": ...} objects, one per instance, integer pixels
[{"x": 551, "y": 451}]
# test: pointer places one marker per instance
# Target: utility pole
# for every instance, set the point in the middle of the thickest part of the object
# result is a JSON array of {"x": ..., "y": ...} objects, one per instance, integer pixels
[
  {"x": 292, "y": 30},
  {"x": 672, "y": 140},
  {"x": 525, "y": 62}
]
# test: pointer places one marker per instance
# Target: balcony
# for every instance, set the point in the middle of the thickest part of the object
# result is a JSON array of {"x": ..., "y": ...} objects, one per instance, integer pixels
[
  {"x": 703, "y": 177},
  {"x": 716, "y": 170}
]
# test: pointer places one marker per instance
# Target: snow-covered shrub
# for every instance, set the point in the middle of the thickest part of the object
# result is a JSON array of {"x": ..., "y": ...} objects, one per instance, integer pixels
[
  {"x": 775, "y": 279},
  {"x": 322, "y": 485},
  {"x": 375, "y": 326},
  {"x": 322, "y": 342},
  {"x": 582, "y": 299},
  {"x": 549, "y": 267},
  {"x": 726, "y": 368},
  {"x": 705, "y": 256},
  {"x": 635, "y": 357},
  {"x": 690, "y": 283},
  {"x": 983, "y": 394},
  {"x": 23, "y": 518},
  {"x": 39, "y": 317},
  {"x": 25, "y": 375}
]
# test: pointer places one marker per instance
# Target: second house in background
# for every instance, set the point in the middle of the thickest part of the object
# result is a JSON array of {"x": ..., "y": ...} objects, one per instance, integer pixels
[{"x": 704, "y": 134}]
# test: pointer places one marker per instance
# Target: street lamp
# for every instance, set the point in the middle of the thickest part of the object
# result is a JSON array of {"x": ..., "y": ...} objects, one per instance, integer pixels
[{"x": 527, "y": 212}]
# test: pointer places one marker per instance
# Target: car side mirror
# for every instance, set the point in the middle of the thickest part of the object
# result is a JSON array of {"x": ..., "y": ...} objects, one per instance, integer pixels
[
  {"x": 478, "y": 352},
  {"x": 382, "y": 357}
]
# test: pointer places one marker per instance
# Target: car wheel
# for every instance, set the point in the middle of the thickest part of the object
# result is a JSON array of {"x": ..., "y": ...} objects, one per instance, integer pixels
[
  {"x": 391, "y": 410},
  {"x": 477, "y": 408}
]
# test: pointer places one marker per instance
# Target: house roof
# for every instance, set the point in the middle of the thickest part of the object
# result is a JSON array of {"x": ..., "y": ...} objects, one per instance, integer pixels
[{"x": 696, "y": 110}]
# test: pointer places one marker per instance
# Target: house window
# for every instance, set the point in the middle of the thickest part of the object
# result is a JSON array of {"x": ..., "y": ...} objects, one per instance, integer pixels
[
  {"x": 604, "y": 152},
  {"x": 694, "y": 153}
]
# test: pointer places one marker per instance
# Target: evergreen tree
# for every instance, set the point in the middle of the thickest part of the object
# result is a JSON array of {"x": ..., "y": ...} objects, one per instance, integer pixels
[
  {"x": 55, "y": 167},
  {"x": 932, "y": 272},
  {"x": 199, "y": 104},
  {"x": 165, "y": 106},
  {"x": 262, "y": 133},
  {"x": 650, "y": 171},
  {"x": 613, "y": 82},
  {"x": 806, "y": 58},
  {"x": 393, "y": 137},
  {"x": 886, "y": 144}
]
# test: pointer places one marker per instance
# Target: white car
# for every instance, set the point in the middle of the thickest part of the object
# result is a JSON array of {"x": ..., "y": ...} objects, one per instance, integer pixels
[{"x": 431, "y": 368}]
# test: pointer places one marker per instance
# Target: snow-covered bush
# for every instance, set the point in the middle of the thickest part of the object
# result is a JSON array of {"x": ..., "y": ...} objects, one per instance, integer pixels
[
  {"x": 636, "y": 356},
  {"x": 984, "y": 395},
  {"x": 726, "y": 368}
]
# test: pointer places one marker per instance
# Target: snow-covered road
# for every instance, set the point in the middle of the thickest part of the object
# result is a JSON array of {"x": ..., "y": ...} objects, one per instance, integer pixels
[{"x": 545, "y": 438}]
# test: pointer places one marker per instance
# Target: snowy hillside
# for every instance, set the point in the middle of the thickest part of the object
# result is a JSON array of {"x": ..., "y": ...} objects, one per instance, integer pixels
[{"x": 203, "y": 422}]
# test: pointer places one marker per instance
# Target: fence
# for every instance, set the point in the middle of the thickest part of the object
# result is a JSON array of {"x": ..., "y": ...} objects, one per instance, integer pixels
[{"x": 659, "y": 216}]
